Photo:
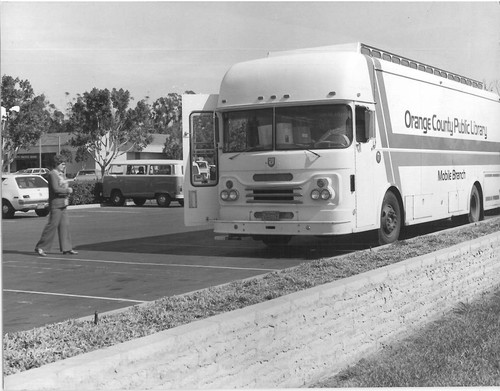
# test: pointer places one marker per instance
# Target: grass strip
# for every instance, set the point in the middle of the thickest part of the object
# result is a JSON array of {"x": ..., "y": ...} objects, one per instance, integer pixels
[
  {"x": 462, "y": 349},
  {"x": 29, "y": 349}
]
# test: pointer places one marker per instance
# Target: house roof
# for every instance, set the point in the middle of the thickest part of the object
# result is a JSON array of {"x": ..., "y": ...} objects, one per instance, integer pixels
[{"x": 49, "y": 140}]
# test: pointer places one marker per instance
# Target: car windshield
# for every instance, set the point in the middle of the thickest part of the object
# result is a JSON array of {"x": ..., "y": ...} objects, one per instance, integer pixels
[
  {"x": 288, "y": 128},
  {"x": 28, "y": 182}
]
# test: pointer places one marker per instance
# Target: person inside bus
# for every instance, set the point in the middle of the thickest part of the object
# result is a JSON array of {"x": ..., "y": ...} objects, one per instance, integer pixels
[
  {"x": 141, "y": 171},
  {"x": 340, "y": 131}
]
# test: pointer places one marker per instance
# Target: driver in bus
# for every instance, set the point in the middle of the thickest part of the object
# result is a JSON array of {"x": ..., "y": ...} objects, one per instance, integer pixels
[{"x": 341, "y": 129}]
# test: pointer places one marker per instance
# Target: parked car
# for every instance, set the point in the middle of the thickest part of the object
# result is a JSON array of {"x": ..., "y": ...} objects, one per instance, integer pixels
[
  {"x": 24, "y": 192},
  {"x": 87, "y": 175},
  {"x": 44, "y": 172}
]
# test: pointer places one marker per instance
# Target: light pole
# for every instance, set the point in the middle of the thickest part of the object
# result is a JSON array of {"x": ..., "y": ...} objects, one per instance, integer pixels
[{"x": 5, "y": 117}]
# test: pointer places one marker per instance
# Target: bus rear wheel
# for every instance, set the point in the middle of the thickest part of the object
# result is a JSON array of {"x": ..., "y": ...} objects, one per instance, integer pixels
[
  {"x": 475, "y": 206},
  {"x": 390, "y": 219},
  {"x": 163, "y": 200}
]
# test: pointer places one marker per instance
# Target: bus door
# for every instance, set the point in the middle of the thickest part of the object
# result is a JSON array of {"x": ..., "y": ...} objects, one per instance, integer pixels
[
  {"x": 200, "y": 154},
  {"x": 366, "y": 209}
]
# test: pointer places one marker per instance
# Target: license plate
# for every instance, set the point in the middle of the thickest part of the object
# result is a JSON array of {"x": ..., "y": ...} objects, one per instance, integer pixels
[
  {"x": 270, "y": 216},
  {"x": 40, "y": 206}
]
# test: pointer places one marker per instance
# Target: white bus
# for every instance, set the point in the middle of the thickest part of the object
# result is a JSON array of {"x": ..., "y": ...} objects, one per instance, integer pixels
[
  {"x": 338, "y": 140},
  {"x": 141, "y": 180}
]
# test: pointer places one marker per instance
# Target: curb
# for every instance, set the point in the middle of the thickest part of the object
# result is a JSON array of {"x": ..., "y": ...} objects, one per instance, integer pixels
[{"x": 86, "y": 206}]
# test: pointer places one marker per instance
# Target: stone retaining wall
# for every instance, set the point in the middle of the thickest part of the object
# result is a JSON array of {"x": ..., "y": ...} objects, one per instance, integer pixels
[{"x": 291, "y": 341}]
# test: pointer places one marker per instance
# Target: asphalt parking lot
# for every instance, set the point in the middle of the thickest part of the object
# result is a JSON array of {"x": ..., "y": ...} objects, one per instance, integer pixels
[
  {"x": 127, "y": 255},
  {"x": 130, "y": 255}
]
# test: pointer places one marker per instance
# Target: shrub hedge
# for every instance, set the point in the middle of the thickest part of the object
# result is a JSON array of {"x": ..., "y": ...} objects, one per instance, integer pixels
[{"x": 86, "y": 193}]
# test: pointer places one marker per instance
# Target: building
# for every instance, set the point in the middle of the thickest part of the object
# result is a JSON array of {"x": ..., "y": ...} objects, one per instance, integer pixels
[{"x": 51, "y": 144}]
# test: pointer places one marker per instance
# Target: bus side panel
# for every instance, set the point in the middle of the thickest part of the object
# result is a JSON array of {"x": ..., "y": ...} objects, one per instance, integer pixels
[
  {"x": 439, "y": 140},
  {"x": 202, "y": 202}
]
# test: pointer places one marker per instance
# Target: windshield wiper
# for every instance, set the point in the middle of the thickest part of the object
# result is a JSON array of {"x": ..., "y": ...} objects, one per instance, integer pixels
[
  {"x": 304, "y": 147},
  {"x": 247, "y": 150}
]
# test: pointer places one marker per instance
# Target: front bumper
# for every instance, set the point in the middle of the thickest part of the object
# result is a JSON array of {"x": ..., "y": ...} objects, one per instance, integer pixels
[
  {"x": 253, "y": 228},
  {"x": 31, "y": 205}
]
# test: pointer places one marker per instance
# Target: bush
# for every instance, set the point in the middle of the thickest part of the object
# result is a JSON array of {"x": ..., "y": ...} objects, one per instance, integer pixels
[{"x": 86, "y": 193}]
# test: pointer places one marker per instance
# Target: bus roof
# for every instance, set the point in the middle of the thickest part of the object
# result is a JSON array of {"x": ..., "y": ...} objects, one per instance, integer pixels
[{"x": 322, "y": 73}]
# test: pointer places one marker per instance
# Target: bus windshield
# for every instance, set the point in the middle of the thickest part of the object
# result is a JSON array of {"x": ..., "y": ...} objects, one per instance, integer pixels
[{"x": 288, "y": 128}]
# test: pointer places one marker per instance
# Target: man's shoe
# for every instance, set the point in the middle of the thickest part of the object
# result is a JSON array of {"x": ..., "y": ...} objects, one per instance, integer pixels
[
  {"x": 40, "y": 252},
  {"x": 70, "y": 252}
]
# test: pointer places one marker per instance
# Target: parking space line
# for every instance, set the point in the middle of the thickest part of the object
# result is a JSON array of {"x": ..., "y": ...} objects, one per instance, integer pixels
[
  {"x": 163, "y": 264},
  {"x": 70, "y": 295}
]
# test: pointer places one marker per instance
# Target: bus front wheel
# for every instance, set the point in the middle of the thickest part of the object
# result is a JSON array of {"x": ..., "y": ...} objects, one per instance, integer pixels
[
  {"x": 163, "y": 200},
  {"x": 390, "y": 219}
]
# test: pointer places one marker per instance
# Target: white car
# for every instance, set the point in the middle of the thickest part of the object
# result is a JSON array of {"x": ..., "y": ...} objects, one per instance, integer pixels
[
  {"x": 24, "y": 192},
  {"x": 44, "y": 172}
]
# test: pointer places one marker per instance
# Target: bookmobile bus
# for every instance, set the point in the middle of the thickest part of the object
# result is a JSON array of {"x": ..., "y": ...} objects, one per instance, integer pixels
[
  {"x": 338, "y": 140},
  {"x": 144, "y": 179}
]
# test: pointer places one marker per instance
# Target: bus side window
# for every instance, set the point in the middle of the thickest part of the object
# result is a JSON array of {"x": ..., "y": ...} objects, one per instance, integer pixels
[
  {"x": 364, "y": 124},
  {"x": 361, "y": 134}
]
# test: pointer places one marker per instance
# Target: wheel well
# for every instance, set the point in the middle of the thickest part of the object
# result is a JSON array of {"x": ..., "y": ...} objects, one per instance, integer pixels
[
  {"x": 480, "y": 190},
  {"x": 394, "y": 190}
]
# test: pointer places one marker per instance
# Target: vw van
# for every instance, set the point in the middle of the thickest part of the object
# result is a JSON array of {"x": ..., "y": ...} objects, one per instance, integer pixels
[{"x": 142, "y": 180}]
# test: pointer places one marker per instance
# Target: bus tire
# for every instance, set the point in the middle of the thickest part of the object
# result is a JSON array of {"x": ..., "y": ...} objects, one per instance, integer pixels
[
  {"x": 139, "y": 201},
  {"x": 117, "y": 198},
  {"x": 390, "y": 219},
  {"x": 163, "y": 200},
  {"x": 475, "y": 206}
]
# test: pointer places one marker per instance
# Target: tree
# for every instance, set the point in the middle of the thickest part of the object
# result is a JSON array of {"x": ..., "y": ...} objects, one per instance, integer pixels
[
  {"x": 105, "y": 127},
  {"x": 23, "y": 130},
  {"x": 172, "y": 147},
  {"x": 167, "y": 119}
]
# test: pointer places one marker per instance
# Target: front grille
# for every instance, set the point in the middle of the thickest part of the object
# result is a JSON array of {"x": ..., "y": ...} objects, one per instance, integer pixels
[
  {"x": 288, "y": 195},
  {"x": 273, "y": 177}
]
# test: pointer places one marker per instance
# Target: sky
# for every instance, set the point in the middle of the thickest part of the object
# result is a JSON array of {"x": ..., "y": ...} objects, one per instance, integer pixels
[{"x": 153, "y": 48}]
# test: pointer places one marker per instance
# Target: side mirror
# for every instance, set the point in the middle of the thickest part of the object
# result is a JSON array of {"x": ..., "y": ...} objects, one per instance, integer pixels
[{"x": 369, "y": 124}]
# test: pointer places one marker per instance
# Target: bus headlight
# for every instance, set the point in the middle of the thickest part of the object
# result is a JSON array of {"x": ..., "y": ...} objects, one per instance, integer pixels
[
  {"x": 322, "y": 194},
  {"x": 229, "y": 195},
  {"x": 325, "y": 194},
  {"x": 233, "y": 195}
]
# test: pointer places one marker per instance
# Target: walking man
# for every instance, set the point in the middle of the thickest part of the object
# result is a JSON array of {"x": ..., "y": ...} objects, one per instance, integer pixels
[{"x": 59, "y": 192}]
